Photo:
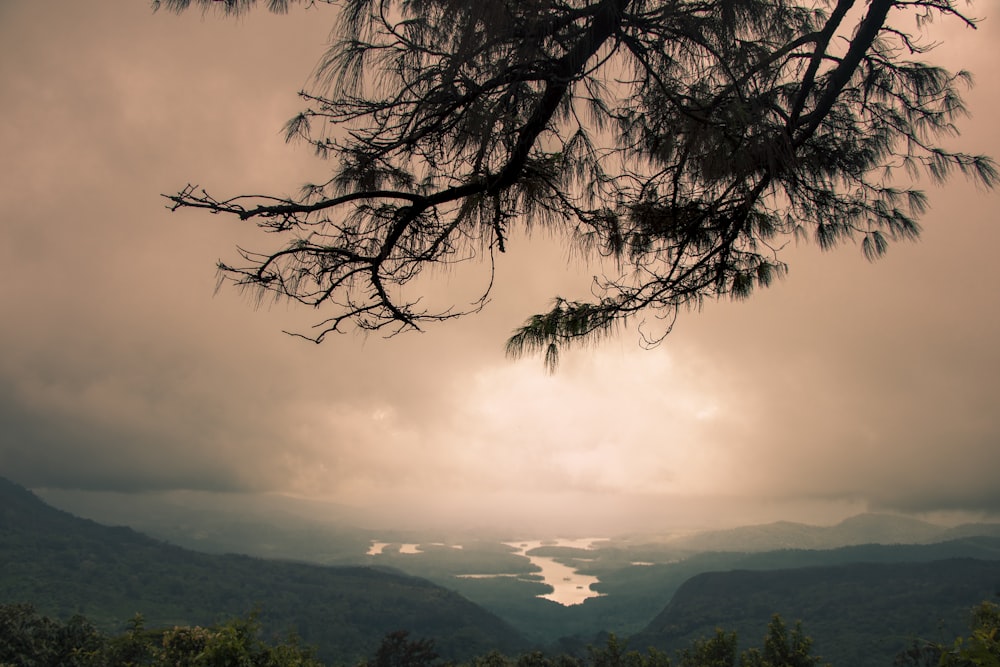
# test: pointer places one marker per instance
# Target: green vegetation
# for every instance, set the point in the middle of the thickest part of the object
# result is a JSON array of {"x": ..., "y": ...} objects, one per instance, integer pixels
[
  {"x": 632, "y": 595},
  {"x": 67, "y": 566},
  {"x": 980, "y": 648},
  {"x": 862, "y": 604},
  {"x": 27, "y": 638},
  {"x": 779, "y": 649},
  {"x": 860, "y": 614}
]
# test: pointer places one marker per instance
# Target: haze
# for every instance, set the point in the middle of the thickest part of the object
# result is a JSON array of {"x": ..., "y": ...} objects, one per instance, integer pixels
[{"x": 847, "y": 387}]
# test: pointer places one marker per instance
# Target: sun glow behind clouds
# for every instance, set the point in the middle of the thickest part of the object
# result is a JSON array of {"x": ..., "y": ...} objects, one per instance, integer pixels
[
  {"x": 587, "y": 428},
  {"x": 509, "y": 430},
  {"x": 846, "y": 386}
]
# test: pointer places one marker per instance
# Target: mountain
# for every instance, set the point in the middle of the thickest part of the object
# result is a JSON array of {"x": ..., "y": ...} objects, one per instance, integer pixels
[
  {"x": 264, "y": 525},
  {"x": 632, "y": 594},
  {"x": 65, "y": 565},
  {"x": 276, "y": 526},
  {"x": 972, "y": 529},
  {"x": 860, "y": 614},
  {"x": 867, "y": 528},
  {"x": 638, "y": 576}
]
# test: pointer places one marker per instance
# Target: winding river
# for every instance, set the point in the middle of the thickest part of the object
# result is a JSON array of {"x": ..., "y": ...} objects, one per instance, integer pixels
[{"x": 569, "y": 587}]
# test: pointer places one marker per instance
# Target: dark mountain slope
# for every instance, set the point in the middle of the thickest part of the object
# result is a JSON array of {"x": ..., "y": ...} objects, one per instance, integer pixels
[
  {"x": 65, "y": 565},
  {"x": 635, "y": 594},
  {"x": 860, "y": 614}
]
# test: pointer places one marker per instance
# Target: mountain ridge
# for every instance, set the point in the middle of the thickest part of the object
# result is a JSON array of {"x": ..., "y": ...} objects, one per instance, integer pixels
[
  {"x": 864, "y": 528},
  {"x": 859, "y": 614},
  {"x": 64, "y": 565}
]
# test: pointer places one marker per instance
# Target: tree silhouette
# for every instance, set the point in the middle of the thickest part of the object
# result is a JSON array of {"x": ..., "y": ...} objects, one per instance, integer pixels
[{"x": 682, "y": 141}]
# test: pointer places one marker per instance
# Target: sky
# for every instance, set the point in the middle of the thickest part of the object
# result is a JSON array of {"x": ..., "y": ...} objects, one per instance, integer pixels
[{"x": 849, "y": 386}]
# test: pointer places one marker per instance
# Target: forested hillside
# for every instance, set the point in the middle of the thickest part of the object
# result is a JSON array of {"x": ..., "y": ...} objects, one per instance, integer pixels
[
  {"x": 862, "y": 604},
  {"x": 860, "y": 614},
  {"x": 64, "y": 565},
  {"x": 635, "y": 594},
  {"x": 29, "y": 639}
]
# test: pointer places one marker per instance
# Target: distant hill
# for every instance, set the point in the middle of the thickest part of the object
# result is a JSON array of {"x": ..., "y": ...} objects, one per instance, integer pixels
[
  {"x": 65, "y": 565},
  {"x": 635, "y": 594},
  {"x": 861, "y": 614},
  {"x": 861, "y": 529},
  {"x": 268, "y": 526}
]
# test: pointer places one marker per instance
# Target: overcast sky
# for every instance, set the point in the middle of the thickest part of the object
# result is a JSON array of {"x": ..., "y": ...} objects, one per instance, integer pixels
[{"x": 847, "y": 387}]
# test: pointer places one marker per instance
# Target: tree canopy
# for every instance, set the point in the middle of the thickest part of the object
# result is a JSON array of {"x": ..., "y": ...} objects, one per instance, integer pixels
[{"x": 681, "y": 142}]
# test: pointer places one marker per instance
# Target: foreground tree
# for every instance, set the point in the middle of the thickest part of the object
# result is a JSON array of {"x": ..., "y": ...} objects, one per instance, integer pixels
[
  {"x": 981, "y": 648},
  {"x": 682, "y": 141},
  {"x": 398, "y": 650},
  {"x": 781, "y": 648},
  {"x": 29, "y": 639}
]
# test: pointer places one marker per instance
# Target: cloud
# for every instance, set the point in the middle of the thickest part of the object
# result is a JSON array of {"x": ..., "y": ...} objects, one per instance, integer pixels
[{"x": 848, "y": 384}]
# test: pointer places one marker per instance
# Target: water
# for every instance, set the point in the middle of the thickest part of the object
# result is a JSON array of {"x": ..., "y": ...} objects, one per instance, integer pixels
[{"x": 569, "y": 587}]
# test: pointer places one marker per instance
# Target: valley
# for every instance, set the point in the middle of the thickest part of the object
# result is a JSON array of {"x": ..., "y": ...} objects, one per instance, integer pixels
[
  {"x": 342, "y": 588},
  {"x": 568, "y": 585}
]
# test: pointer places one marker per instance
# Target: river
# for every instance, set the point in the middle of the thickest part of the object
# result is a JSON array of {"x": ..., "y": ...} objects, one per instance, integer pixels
[{"x": 569, "y": 587}]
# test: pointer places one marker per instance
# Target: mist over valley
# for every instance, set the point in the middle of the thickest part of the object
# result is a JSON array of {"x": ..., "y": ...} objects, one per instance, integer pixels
[{"x": 559, "y": 593}]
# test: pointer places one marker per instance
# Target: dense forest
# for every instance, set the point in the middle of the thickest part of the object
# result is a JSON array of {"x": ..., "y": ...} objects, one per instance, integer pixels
[
  {"x": 632, "y": 595},
  {"x": 861, "y": 614},
  {"x": 27, "y": 638},
  {"x": 63, "y": 566}
]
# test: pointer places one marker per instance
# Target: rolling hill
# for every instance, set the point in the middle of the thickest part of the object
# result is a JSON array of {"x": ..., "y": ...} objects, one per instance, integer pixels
[
  {"x": 868, "y": 528},
  {"x": 64, "y": 565},
  {"x": 859, "y": 614}
]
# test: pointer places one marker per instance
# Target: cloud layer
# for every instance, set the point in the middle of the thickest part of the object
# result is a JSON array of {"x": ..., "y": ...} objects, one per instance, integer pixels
[{"x": 848, "y": 385}]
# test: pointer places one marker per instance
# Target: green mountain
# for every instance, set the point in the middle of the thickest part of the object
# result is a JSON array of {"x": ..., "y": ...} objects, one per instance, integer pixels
[
  {"x": 263, "y": 525},
  {"x": 859, "y": 614},
  {"x": 633, "y": 594},
  {"x": 64, "y": 565}
]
